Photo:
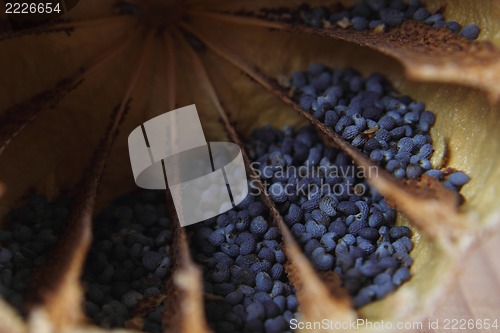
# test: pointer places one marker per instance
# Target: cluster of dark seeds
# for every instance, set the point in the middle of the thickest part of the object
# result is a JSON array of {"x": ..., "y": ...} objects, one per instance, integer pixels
[
  {"x": 341, "y": 224},
  {"x": 30, "y": 234},
  {"x": 129, "y": 259},
  {"x": 243, "y": 261},
  {"x": 391, "y": 129},
  {"x": 369, "y": 15}
]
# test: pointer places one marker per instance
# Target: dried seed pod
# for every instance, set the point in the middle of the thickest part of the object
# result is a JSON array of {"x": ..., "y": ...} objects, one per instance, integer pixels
[{"x": 91, "y": 68}]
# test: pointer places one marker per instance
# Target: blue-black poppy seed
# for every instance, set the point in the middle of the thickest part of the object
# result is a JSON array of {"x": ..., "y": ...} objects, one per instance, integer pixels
[
  {"x": 294, "y": 214},
  {"x": 280, "y": 301},
  {"x": 384, "y": 289},
  {"x": 131, "y": 298},
  {"x": 350, "y": 132},
  {"x": 151, "y": 260},
  {"x": 310, "y": 205},
  {"x": 438, "y": 174},
  {"x": 255, "y": 311},
  {"x": 371, "y": 144},
  {"x": 399, "y": 231},
  {"x": 384, "y": 249},
  {"x": 280, "y": 256},
  {"x": 439, "y": 24},
  {"x": 320, "y": 217},
  {"x": 310, "y": 246},
  {"x": 454, "y": 26},
  {"x": 327, "y": 204},
  {"x": 413, "y": 171},
  {"x": 433, "y": 18},
  {"x": 365, "y": 245},
  {"x": 425, "y": 164},
  {"x": 298, "y": 229},
  {"x": 217, "y": 237},
  {"x": 234, "y": 297},
  {"x": 5, "y": 255},
  {"x": 263, "y": 282},
  {"x": 426, "y": 151},
  {"x": 359, "y": 23},
  {"x": 348, "y": 208},
  {"x": 275, "y": 325},
  {"x": 370, "y": 269},
  {"x": 331, "y": 118},
  {"x": 258, "y": 225},
  {"x": 277, "y": 271},
  {"x": 459, "y": 178},
  {"x": 338, "y": 227},
  {"x": 291, "y": 302},
  {"x": 447, "y": 184},
  {"x": 403, "y": 244},
  {"x": 401, "y": 275},
  {"x": 328, "y": 241},
  {"x": 368, "y": 233},
  {"x": 382, "y": 278},
  {"x": 470, "y": 31}
]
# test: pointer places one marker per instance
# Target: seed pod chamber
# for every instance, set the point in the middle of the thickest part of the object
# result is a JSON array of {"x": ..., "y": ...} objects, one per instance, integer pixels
[{"x": 465, "y": 125}]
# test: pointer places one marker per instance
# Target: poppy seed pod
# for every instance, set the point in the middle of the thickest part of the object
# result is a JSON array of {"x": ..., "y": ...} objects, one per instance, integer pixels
[{"x": 404, "y": 92}]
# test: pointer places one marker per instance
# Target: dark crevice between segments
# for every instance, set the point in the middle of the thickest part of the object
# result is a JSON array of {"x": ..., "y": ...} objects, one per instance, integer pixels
[
  {"x": 183, "y": 306},
  {"x": 180, "y": 305},
  {"x": 417, "y": 200},
  {"x": 183, "y": 309}
]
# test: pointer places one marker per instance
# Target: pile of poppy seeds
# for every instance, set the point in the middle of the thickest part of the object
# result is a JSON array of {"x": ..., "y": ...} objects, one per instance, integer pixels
[
  {"x": 244, "y": 266},
  {"x": 340, "y": 222},
  {"x": 377, "y": 15},
  {"x": 391, "y": 129},
  {"x": 129, "y": 259},
  {"x": 29, "y": 234}
]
